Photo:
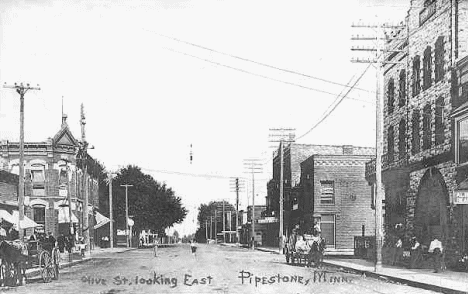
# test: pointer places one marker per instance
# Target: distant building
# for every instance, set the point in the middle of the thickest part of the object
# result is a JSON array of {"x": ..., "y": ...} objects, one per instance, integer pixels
[{"x": 8, "y": 191}]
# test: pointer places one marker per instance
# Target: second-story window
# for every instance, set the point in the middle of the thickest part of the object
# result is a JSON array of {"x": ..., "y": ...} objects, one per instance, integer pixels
[
  {"x": 402, "y": 88},
  {"x": 439, "y": 121},
  {"x": 427, "y": 134},
  {"x": 415, "y": 138},
  {"x": 327, "y": 192},
  {"x": 390, "y": 144},
  {"x": 416, "y": 78},
  {"x": 402, "y": 139},
  {"x": 427, "y": 68},
  {"x": 462, "y": 140},
  {"x": 390, "y": 95},
  {"x": 439, "y": 59},
  {"x": 38, "y": 179}
]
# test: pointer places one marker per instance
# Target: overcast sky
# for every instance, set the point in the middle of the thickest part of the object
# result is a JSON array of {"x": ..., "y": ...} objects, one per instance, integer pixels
[{"x": 158, "y": 76}]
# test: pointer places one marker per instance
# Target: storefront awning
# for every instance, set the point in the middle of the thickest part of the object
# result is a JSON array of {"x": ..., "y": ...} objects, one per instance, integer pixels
[
  {"x": 25, "y": 223},
  {"x": 63, "y": 216},
  {"x": 6, "y": 216},
  {"x": 100, "y": 220}
]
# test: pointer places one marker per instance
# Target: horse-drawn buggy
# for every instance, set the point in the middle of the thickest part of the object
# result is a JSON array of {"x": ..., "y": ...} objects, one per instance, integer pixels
[
  {"x": 305, "y": 249},
  {"x": 17, "y": 256}
]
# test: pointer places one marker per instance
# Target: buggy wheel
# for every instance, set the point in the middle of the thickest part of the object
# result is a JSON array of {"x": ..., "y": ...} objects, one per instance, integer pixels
[
  {"x": 47, "y": 266},
  {"x": 56, "y": 262}
]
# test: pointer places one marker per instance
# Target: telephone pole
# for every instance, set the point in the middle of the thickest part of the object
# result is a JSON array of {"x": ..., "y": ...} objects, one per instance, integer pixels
[
  {"x": 224, "y": 224},
  {"x": 237, "y": 185},
  {"x": 379, "y": 61},
  {"x": 21, "y": 90},
  {"x": 111, "y": 223},
  {"x": 126, "y": 212},
  {"x": 282, "y": 135},
  {"x": 254, "y": 166}
]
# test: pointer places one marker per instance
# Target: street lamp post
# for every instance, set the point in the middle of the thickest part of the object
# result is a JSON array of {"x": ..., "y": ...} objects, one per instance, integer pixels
[{"x": 126, "y": 211}]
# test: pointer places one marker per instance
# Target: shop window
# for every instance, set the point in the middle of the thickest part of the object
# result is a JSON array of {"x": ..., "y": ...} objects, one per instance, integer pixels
[
  {"x": 390, "y": 144},
  {"x": 439, "y": 121},
  {"x": 402, "y": 88},
  {"x": 416, "y": 139},
  {"x": 327, "y": 225},
  {"x": 427, "y": 68},
  {"x": 390, "y": 95},
  {"x": 402, "y": 139},
  {"x": 462, "y": 140},
  {"x": 327, "y": 192},
  {"x": 427, "y": 134},
  {"x": 39, "y": 214},
  {"x": 439, "y": 59},
  {"x": 416, "y": 78}
]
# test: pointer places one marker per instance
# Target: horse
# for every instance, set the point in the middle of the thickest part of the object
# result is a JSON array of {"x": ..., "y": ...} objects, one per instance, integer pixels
[
  {"x": 14, "y": 256},
  {"x": 317, "y": 249}
]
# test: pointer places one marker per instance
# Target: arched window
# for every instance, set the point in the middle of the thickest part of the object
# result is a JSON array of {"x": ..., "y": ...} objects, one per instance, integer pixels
[
  {"x": 427, "y": 68},
  {"x": 390, "y": 95},
  {"x": 416, "y": 139},
  {"x": 439, "y": 59},
  {"x": 390, "y": 144},
  {"x": 416, "y": 78},
  {"x": 427, "y": 134},
  {"x": 439, "y": 121},
  {"x": 402, "y": 139},
  {"x": 402, "y": 88}
]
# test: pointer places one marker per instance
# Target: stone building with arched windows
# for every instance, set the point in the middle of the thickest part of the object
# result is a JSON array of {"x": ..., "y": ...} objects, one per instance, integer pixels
[{"x": 426, "y": 126}]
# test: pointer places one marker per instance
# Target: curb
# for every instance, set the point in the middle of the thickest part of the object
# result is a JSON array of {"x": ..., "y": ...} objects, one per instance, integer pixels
[
  {"x": 387, "y": 278},
  {"x": 267, "y": 250}
]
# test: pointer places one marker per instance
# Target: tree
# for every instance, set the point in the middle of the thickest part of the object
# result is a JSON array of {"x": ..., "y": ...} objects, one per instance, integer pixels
[
  {"x": 207, "y": 212},
  {"x": 152, "y": 205}
]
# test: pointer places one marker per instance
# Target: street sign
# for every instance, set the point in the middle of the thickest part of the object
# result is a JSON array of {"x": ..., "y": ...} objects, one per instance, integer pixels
[{"x": 460, "y": 197}]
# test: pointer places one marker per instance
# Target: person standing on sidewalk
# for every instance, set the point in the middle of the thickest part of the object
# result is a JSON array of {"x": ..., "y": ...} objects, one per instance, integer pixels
[
  {"x": 193, "y": 247},
  {"x": 415, "y": 251},
  {"x": 397, "y": 252},
  {"x": 436, "y": 249}
]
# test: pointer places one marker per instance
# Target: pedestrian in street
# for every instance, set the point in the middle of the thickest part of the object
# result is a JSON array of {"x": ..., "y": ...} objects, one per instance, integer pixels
[
  {"x": 437, "y": 250},
  {"x": 193, "y": 247},
  {"x": 415, "y": 253},
  {"x": 155, "y": 249}
]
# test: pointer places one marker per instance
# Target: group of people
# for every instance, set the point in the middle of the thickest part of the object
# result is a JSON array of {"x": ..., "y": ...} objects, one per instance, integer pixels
[{"x": 416, "y": 253}]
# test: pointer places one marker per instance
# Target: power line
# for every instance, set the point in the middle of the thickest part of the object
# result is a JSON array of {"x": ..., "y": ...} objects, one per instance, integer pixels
[
  {"x": 256, "y": 62},
  {"x": 195, "y": 174},
  {"x": 328, "y": 112},
  {"x": 262, "y": 76}
]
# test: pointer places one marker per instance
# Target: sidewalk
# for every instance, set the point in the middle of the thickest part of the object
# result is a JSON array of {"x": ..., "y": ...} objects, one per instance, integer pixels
[
  {"x": 445, "y": 282},
  {"x": 64, "y": 262}
]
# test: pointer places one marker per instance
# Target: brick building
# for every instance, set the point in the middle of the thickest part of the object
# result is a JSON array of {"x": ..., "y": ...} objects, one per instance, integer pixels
[
  {"x": 8, "y": 191},
  {"x": 52, "y": 170},
  {"x": 334, "y": 193},
  {"x": 293, "y": 156},
  {"x": 425, "y": 126}
]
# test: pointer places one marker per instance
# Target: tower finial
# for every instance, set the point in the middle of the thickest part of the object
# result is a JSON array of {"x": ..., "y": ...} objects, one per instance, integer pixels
[{"x": 83, "y": 124}]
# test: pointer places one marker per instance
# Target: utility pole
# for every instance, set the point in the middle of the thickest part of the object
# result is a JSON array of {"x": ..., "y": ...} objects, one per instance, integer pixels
[
  {"x": 216, "y": 225},
  {"x": 379, "y": 60},
  {"x": 224, "y": 224},
  {"x": 211, "y": 226},
  {"x": 126, "y": 212},
  {"x": 206, "y": 229},
  {"x": 282, "y": 135},
  {"x": 237, "y": 186},
  {"x": 21, "y": 90},
  {"x": 253, "y": 165},
  {"x": 111, "y": 223},
  {"x": 84, "y": 161}
]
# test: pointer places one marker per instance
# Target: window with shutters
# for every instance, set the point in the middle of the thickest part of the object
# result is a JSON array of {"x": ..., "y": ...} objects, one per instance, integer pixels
[
  {"x": 427, "y": 134},
  {"x": 390, "y": 95},
  {"x": 439, "y": 59},
  {"x": 439, "y": 121},
  {"x": 402, "y": 139},
  {"x": 415, "y": 138},
  {"x": 416, "y": 78},
  {"x": 390, "y": 144},
  {"x": 327, "y": 192},
  {"x": 402, "y": 88},
  {"x": 427, "y": 68}
]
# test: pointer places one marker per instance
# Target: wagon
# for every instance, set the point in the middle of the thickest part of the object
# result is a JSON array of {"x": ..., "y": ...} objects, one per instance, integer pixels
[
  {"x": 313, "y": 253},
  {"x": 17, "y": 256}
]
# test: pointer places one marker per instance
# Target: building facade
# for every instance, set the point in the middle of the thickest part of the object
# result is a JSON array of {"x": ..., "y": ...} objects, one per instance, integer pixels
[
  {"x": 335, "y": 194},
  {"x": 425, "y": 126},
  {"x": 8, "y": 191},
  {"x": 53, "y": 170}
]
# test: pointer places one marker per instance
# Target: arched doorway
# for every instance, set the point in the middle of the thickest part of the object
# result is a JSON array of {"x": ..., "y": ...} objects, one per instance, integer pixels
[{"x": 431, "y": 217}]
